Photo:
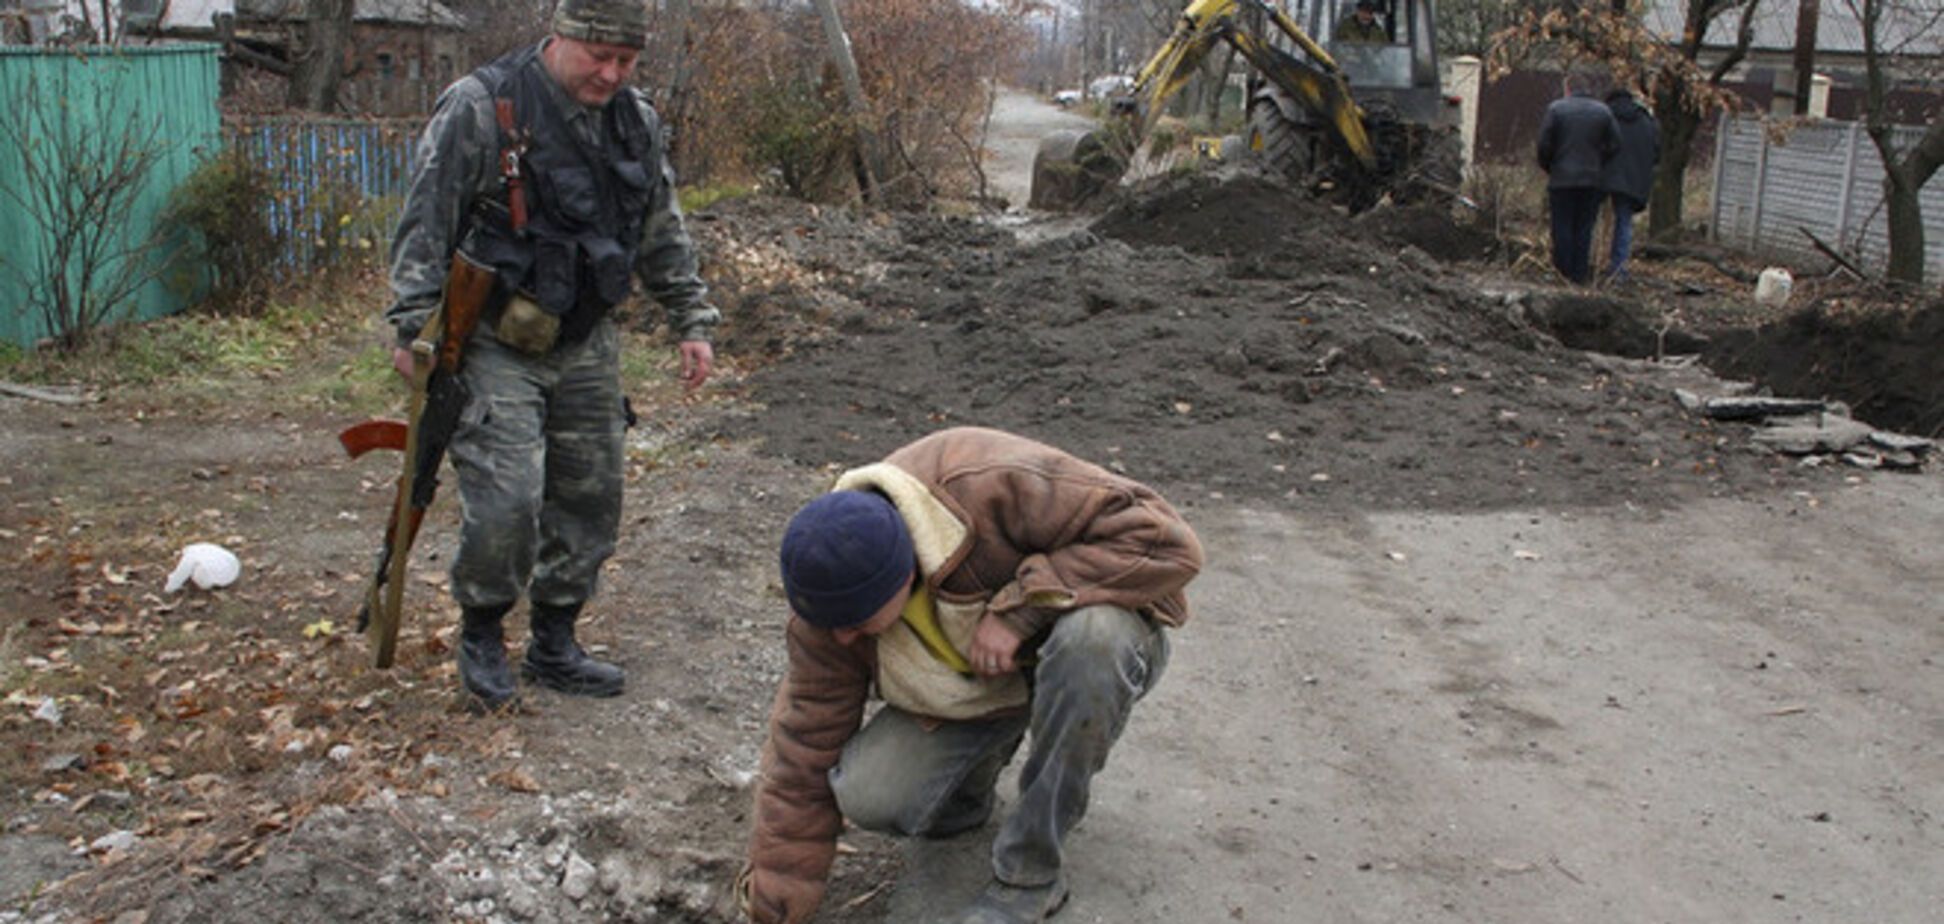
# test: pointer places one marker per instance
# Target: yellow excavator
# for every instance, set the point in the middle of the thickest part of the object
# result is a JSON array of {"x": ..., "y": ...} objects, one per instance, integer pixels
[{"x": 1364, "y": 117}]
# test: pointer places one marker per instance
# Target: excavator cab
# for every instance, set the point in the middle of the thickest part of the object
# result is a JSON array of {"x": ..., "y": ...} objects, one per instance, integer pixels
[
  {"x": 1392, "y": 73},
  {"x": 1403, "y": 66}
]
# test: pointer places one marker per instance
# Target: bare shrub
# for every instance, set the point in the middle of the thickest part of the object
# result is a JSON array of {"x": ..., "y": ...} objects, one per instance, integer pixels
[{"x": 232, "y": 260}]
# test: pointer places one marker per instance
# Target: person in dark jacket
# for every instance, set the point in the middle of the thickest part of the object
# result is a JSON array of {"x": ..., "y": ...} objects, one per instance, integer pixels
[
  {"x": 1576, "y": 140},
  {"x": 540, "y": 445},
  {"x": 1630, "y": 174},
  {"x": 1361, "y": 26}
]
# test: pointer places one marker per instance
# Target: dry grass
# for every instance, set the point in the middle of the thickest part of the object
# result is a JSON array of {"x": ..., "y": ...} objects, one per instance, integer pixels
[{"x": 317, "y": 345}]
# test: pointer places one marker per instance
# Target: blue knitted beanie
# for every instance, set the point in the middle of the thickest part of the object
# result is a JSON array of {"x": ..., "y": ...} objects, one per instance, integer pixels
[{"x": 845, "y": 555}]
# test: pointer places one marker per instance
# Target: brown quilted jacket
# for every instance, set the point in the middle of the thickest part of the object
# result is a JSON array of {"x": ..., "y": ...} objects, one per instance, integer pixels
[{"x": 1029, "y": 531}]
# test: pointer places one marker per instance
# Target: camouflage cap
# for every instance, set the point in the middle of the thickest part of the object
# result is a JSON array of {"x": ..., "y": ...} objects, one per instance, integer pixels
[{"x": 608, "y": 22}]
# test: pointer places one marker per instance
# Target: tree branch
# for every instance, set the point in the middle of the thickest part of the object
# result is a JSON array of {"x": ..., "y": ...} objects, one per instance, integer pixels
[
  {"x": 244, "y": 54},
  {"x": 1925, "y": 159},
  {"x": 1744, "y": 36}
]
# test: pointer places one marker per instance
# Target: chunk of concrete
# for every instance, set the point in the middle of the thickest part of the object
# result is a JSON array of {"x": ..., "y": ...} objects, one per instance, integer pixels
[
  {"x": 1832, "y": 434},
  {"x": 1759, "y": 408},
  {"x": 579, "y": 879},
  {"x": 1898, "y": 442}
]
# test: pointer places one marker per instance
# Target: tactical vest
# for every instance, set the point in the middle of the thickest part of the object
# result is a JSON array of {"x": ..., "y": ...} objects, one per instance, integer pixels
[{"x": 585, "y": 206}]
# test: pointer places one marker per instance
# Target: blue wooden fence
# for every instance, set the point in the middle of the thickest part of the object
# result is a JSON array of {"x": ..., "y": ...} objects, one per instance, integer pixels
[{"x": 338, "y": 183}]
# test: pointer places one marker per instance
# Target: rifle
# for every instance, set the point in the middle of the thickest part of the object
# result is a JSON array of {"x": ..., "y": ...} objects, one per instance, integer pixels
[{"x": 438, "y": 397}]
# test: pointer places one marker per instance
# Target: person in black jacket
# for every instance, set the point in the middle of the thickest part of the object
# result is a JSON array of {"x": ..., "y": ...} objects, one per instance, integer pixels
[
  {"x": 1630, "y": 174},
  {"x": 557, "y": 129},
  {"x": 1576, "y": 140}
]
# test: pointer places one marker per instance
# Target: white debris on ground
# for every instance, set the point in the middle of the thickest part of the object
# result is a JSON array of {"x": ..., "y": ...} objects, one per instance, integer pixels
[{"x": 1816, "y": 431}]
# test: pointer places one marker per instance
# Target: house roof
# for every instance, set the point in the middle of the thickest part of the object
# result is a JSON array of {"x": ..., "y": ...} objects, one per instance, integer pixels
[
  {"x": 415, "y": 12},
  {"x": 421, "y": 12},
  {"x": 1913, "y": 27}
]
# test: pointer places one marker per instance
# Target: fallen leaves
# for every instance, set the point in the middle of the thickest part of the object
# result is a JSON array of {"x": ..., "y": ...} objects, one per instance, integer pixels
[
  {"x": 187, "y": 713},
  {"x": 515, "y": 779}
]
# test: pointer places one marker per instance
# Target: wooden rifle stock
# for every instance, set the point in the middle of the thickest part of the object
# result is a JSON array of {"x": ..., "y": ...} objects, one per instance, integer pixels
[
  {"x": 437, "y": 355},
  {"x": 468, "y": 286}
]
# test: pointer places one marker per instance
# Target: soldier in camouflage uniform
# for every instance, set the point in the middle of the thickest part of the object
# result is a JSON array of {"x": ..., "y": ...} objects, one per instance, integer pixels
[{"x": 539, "y": 447}]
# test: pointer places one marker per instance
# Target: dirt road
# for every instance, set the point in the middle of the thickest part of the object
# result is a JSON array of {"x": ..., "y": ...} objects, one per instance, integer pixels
[{"x": 1724, "y": 713}]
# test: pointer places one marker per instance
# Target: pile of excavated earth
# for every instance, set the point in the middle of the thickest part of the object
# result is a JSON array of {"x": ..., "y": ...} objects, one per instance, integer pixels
[{"x": 1229, "y": 334}]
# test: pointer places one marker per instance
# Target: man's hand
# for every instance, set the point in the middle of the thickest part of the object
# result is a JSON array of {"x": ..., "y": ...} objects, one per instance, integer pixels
[
  {"x": 402, "y": 361},
  {"x": 993, "y": 647},
  {"x": 753, "y": 909},
  {"x": 698, "y": 360}
]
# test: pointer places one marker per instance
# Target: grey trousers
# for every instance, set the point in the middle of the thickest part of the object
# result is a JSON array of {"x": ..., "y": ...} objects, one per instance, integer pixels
[
  {"x": 538, "y": 451},
  {"x": 897, "y": 777}
]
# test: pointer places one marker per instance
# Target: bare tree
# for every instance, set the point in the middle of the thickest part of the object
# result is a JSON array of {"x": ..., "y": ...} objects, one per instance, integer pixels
[
  {"x": 1904, "y": 171},
  {"x": 318, "y": 68},
  {"x": 1681, "y": 105},
  {"x": 82, "y": 165}
]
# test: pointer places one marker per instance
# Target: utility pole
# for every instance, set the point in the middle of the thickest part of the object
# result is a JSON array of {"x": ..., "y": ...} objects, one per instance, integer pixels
[{"x": 860, "y": 108}]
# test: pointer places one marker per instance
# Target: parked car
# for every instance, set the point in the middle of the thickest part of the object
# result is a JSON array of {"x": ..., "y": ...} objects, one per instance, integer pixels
[
  {"x": 1110, "y": 85},
  {"x": 1065, "y": 98}
]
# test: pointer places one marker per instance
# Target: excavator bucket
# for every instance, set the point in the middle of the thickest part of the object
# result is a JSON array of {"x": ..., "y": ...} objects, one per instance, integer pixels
[{"x": 1071, "y": 168}]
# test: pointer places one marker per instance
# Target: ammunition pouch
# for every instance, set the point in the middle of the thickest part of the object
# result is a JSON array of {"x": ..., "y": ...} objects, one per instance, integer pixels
[{"x": 525, "y": 326}]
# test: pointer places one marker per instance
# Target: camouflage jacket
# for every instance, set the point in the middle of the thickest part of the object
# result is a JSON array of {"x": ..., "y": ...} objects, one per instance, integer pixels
[{"x": 458, "y": 166}]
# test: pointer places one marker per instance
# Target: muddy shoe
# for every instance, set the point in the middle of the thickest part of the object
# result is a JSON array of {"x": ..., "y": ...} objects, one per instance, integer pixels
[
  {"x": 1005, "y": 904},
  {"x": 555, "y": 660},
  {"x": 482, "y": 658}
]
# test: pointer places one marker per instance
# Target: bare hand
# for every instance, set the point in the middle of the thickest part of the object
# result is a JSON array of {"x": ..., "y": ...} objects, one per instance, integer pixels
[
  {"x": 993, "y": 645},
  {"x": 698, "y": 360},
  {"x": 402, "y": 362}
]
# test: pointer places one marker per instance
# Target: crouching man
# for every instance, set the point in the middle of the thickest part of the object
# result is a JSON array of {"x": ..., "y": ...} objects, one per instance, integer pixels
[{"x": 988, "y": 586}]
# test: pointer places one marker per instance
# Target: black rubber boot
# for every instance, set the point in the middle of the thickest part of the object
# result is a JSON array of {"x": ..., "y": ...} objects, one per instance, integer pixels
[
  {"x": 554, "y": 659},
  {"x": 482, "y": 656}
]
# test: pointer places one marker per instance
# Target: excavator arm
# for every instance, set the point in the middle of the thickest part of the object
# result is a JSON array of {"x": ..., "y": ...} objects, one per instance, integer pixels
[{"x": 1318, "y": 86}]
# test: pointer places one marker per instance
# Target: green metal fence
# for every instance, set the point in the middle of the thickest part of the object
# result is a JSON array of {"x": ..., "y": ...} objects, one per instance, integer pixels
[{"x": 163, "y": 96}]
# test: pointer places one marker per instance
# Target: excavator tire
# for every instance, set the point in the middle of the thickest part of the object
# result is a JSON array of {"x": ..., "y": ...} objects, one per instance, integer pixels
[
  {"x": 1280, "y": 144},
  {"x": 1415, "y": 163}
]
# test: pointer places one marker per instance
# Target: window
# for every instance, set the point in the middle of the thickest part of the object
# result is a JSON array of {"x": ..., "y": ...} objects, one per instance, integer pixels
[
  {"x": 141, "y": 12},
  {"x": 385, "y": 65}
]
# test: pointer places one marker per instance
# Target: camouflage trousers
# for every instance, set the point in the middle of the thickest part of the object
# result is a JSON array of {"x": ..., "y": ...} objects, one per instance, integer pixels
[{"x": 538, "y": 452}]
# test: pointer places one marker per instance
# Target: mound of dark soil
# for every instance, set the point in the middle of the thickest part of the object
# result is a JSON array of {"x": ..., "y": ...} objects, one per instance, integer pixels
[
  {"x": 1327, "y": 368},
  {"x": 1260, "y": 218},
  {"x": 1884, "y": 364}
]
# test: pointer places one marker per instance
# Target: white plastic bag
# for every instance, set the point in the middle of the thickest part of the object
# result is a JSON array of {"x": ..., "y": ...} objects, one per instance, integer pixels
[
  {"x": 1773, "y": 286},
  {"x": 207, "y": 566}
]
